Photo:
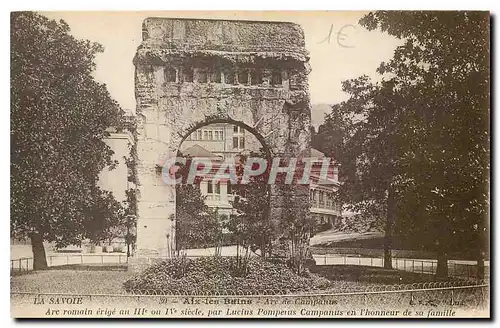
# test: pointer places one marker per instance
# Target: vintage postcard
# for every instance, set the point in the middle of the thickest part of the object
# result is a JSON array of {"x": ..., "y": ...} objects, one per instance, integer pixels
[{"x": 301, "y": 164}]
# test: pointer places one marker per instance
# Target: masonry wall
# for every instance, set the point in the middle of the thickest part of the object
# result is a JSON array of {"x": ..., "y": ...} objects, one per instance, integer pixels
[
  {"x": 116, "y": 180},
  {"x": 190, "y": 72}
]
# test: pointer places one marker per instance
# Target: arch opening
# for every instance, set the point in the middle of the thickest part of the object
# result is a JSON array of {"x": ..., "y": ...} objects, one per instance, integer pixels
[
  {"x": 266, "y": 149},
  {"x": 214, "y": 214},
  {"x": 266, "y": 76}
]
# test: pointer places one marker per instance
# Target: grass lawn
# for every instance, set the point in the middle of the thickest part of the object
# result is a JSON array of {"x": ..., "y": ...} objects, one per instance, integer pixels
[
  {"x": 108, "y": 282},
  {"x": 370, "y": 275},
  {"x": 94, "y": 280},
  {"x": 372, "y": 244},
  {"x": 71, "y": 281},
  {"x": 344, "y": 279}
]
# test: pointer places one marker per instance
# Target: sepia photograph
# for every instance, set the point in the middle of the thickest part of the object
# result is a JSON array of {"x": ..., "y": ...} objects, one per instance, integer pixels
[{"x": 250, "y": 164}]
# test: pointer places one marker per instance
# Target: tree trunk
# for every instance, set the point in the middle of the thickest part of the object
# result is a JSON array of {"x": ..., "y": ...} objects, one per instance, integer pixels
[
  {"x": 39, "y": 259},
  {"x": 387, "y": 252},
  {"x": 263, "y": 248},
  {"x": 482, "y": 246},
  {"x": 442, "y": 264},
  {"x": 388, "y": 230},
  {"x": 480, "y": 265},
  {"x": 127, "y": 239}
]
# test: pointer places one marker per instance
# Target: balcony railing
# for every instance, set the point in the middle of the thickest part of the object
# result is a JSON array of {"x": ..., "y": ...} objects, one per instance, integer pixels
[
  {"x": 213, "y": 197},
  {"x": 330, "y": 205}
]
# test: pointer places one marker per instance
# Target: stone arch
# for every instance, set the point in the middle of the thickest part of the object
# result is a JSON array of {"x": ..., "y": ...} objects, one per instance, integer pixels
[
  {"x": 214, "y": 120},
  {"x": 278, "y": 114}
]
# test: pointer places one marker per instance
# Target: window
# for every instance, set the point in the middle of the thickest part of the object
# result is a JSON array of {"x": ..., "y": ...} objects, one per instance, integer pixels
[
  {"x": 202, "y": 76},
  {"x": 255, "y": 78},
  {"x": 159, "y": 170},
  {"x": 329, "y": 201},
  {"x": 218, "y": 135},
  {"x": 216, "y": 76},
  {"x": 187, "y": 75},
  {"x": 276, "y": 78},
  {"x": 170, "y": 74},
  {"x": 205, "y": 135},
  {"x": 238, "y": 130},
  {"x": 239, "y": 142},
  {"x": 213, "y": 187},
  {"x": 221, "y": 133},
  {"x": 198, "y": 133},
  {"x": 210, "y": 135},
  {"x": 150, "y": 73},
  {"x": 243, "y": 77},
  {"x": 229, "y": 77}
]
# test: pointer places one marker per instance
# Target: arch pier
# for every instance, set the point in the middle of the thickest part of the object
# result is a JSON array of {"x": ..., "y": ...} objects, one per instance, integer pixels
[{"x": 190, "y": 72}]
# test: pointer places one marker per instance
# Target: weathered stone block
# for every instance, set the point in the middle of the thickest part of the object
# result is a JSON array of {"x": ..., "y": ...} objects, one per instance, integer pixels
[
  {"x": 171, "y": 109},
  {"x": 155, "y": 210},
  {"x": 157, "y": 193}
]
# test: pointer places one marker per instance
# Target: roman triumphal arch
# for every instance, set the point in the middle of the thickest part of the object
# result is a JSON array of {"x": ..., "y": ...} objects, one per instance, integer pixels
[{"x": 189, "y": 72}]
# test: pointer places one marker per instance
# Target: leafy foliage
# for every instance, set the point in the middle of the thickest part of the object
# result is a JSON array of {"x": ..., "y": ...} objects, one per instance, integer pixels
[
  {"x": 129, "y": 220},
  {"x": 416, "y": 152},
  {"x": 296, "y": 225},
  {"x": 59, "y": 117},
  {"x": 442, "y": 76},
  {"x": 284, "y": 235},
  {"x": 103, "y": 218},
  {"x": 219, "y": 275},
  {"x": 331, "y": 133},
  {"x": 250, "y": 223},
  {"x": 197, "y": 225}
]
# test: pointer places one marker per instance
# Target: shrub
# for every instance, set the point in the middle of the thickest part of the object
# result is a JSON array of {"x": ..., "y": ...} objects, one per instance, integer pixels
[
  {"x": 220, "y": 275},
  {"x": 226, "y": 239}
]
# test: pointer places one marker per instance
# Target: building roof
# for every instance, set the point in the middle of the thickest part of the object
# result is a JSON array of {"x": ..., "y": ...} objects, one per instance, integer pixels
[
  {"x": 317, "y": 153},
  {"x": 314, "y": 153},
  {"x": 199, "y": 151}
]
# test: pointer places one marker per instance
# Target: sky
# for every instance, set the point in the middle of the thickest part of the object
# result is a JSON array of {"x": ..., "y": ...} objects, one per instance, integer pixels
[{"x": 339, "y": 47}]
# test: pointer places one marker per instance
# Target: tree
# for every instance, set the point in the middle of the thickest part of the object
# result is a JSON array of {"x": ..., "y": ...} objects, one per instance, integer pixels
[
  {"x": 442, "y": 76},
  {"x": 371, "y": 170},
  {"x": 197, "y": 225},
  {"x": 59, "y": 117},
  {"x": 103, "y": 217},
  {"x": 250, "y": 222},
  {"x": 331, "y": 133},
  {"x": 417, "y": 151},
  {"x": 130, "y": 204},
  {"x": 296, "y": 225},
  {"x": 129, "y": 220}
]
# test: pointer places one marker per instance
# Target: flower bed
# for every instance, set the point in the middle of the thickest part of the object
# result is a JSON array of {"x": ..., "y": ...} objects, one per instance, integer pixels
[{"x": 221, "y": 275}]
